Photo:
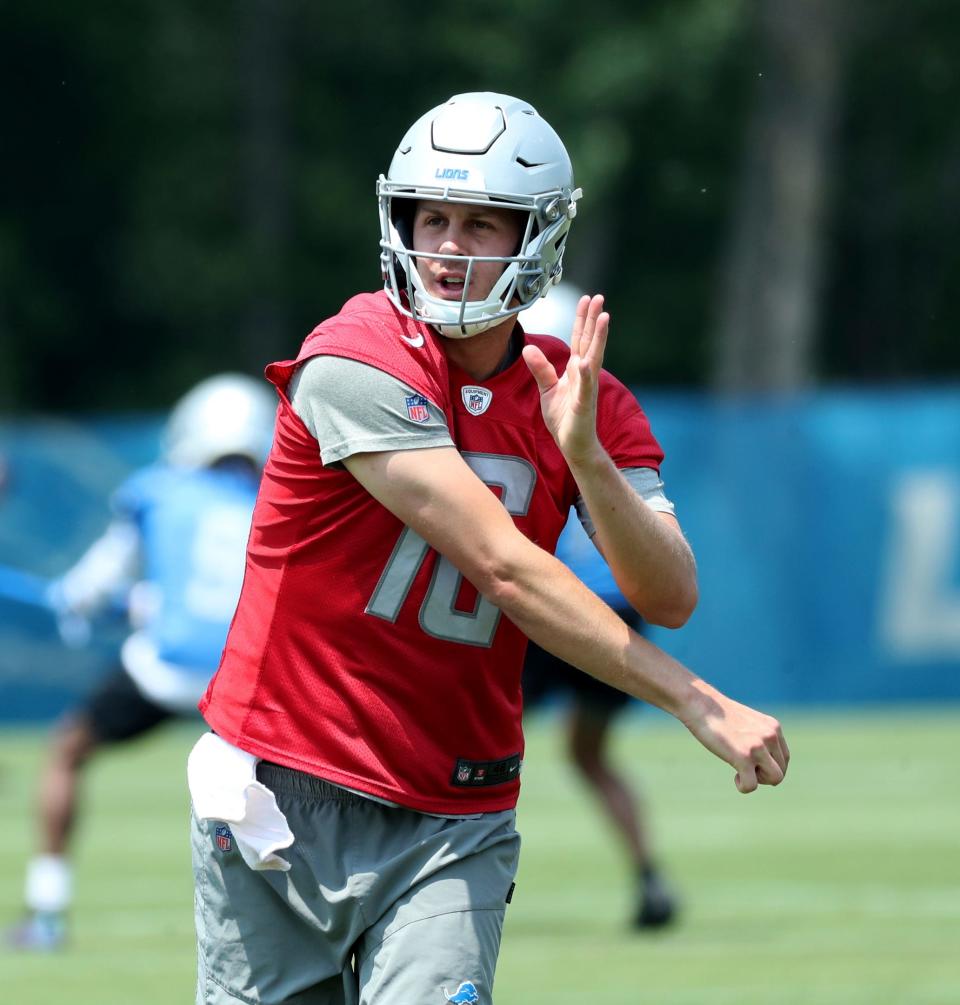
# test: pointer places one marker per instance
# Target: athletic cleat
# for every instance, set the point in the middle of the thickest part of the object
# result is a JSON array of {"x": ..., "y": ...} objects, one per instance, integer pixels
[
  {"x": 658, "y": 906},
  {"x": 38, "y": 933}
]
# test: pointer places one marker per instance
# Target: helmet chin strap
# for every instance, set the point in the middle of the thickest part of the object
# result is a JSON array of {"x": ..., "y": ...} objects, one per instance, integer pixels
[{"x": 455, "y": 330}]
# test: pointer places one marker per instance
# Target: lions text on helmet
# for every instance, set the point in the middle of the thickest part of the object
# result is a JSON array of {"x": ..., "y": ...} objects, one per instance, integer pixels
[{"x": 474, "y": 213}]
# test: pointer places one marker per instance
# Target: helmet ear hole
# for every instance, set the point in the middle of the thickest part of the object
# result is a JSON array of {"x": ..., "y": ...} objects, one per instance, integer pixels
[{"x": 402, "y": 212}]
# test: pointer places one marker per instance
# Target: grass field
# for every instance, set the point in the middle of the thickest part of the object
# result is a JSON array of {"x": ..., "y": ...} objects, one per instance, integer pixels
[{"x": 842, "y": 887}]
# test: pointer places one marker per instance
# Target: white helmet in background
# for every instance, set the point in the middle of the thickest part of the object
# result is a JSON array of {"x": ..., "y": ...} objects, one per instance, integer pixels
[
  {"x": 554, "y": 313},
  {"x": 224, "y": 416},
  {"x": 478, "y": 149}
]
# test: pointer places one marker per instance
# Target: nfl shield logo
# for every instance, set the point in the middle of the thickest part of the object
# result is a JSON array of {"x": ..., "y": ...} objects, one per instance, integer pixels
[
  {"x": 224, "y": 838},
  {"x": 463, "y": 773},
  {"x": 417, "y": 408},
  {"x": 476, "y": 399}
]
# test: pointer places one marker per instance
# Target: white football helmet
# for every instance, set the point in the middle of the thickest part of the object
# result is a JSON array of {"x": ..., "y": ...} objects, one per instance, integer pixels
[
  {"x": 223, "y": 416},
  {"x": 487, "y": 149},
  {"x": 553, "y": 314}
]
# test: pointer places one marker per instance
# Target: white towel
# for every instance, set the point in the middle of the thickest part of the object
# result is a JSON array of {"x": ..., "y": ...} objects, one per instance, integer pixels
[{"x": 223, "y": 786}]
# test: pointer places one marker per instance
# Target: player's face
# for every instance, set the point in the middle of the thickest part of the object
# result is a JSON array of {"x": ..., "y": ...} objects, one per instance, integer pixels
[{"x": 457, "y": 230}]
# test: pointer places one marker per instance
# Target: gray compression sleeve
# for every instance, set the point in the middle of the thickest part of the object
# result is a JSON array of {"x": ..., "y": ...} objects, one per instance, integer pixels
[{"x": 646, "y": 483}]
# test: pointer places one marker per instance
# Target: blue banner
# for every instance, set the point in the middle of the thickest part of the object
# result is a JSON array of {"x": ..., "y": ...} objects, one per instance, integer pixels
[
  {"x": 56, "y": 477},
  {"x": 827, "y": 533},
  {"x": 826, "y": 529}
]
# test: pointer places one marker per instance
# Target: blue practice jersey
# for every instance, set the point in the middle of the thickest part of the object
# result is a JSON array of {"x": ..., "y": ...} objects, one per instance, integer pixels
[{"x": 193, "y": 527}]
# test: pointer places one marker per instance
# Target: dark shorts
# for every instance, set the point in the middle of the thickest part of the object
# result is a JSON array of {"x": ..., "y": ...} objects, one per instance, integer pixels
[
  {"x": 544, "y": 676},
  {"x": 117, "y": 710}
]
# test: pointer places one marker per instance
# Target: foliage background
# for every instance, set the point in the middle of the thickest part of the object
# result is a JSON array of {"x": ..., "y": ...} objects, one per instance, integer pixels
[{"x": 189, "y": 187}]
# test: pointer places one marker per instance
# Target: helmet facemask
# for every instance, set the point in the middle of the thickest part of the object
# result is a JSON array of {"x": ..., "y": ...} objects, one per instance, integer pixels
[{"x": 423, "y": 157}]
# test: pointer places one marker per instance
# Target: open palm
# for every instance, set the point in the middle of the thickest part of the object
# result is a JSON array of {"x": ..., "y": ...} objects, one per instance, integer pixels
[{"x": 568, "y": 400}]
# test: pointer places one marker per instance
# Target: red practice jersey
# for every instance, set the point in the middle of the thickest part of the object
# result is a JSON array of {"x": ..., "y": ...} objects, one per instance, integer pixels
[{"x": 357, "y": 652}]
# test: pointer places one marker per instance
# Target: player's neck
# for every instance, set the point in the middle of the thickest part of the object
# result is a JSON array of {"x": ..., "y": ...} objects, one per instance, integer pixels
[{"x": 485, "y": 354}]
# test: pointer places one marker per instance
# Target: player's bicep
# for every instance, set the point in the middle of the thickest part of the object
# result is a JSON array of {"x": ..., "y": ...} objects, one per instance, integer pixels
[{"x": 436, "y": 493}]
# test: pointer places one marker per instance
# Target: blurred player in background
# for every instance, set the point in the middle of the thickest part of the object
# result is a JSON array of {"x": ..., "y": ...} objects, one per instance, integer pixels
[
  {"x": 173, "y": 555},
  {"x": 354, "y": 819},
  {"x": 593, "y": 705}
]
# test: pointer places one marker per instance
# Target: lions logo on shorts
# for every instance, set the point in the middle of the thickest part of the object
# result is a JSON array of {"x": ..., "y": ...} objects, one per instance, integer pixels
[{"x": 466, "y": 994}]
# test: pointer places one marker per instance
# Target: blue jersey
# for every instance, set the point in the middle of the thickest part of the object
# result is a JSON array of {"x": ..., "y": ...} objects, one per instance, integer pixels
[
  {"x": 580, "y": 555},
  {"x": 193, "y": 527}
]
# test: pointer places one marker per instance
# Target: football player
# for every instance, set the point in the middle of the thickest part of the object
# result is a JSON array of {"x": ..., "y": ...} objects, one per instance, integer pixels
[
  {"x": 353, "y": 832},
  {"x": 175, "y": 550}
]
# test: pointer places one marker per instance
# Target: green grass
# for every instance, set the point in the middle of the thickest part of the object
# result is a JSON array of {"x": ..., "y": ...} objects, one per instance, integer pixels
[{"x": 842, "y": 887}]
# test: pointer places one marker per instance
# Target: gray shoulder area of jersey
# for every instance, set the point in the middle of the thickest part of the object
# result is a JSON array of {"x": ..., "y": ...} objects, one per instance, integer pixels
[{"x": 353, "y": 408}]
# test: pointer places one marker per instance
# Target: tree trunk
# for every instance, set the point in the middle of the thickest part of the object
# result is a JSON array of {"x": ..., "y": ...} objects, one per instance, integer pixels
[
  {"x": 767, "y": 316},
  {"x": 263, "y": 94}
]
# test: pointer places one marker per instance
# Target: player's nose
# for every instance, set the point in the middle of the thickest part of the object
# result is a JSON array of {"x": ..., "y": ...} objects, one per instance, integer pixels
[{"x": 453, "y": 243}]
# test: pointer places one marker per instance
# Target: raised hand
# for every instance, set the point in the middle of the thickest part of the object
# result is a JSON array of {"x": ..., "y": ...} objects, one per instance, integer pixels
[{"x": 568, "y": 400}]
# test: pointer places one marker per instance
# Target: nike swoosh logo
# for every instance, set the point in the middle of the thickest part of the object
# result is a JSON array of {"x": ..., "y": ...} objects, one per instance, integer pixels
[{"x": 417, "y": 342}]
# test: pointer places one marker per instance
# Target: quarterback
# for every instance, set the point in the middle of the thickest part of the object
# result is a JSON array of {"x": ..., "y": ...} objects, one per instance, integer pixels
[{"x": 353, "y": 806}]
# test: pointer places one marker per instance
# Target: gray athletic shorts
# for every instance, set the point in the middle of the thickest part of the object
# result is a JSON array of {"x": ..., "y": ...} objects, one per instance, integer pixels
[{"x": 381, "y": 905}]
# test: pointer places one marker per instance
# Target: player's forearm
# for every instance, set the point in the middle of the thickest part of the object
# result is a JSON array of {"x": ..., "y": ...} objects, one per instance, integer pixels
[
  {"x": 650, "y": 560},
  {"x": 555, "y": 609},
  {"x": 558, "y": 612}
]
